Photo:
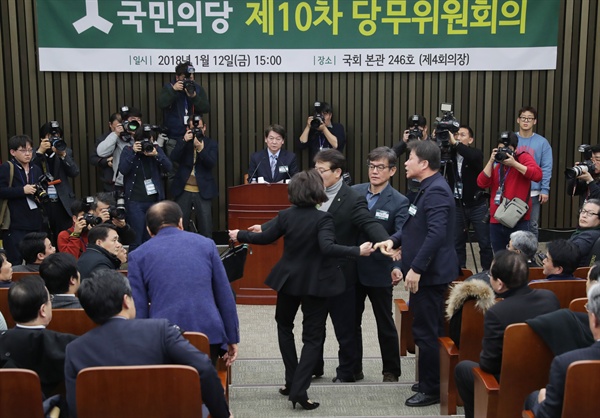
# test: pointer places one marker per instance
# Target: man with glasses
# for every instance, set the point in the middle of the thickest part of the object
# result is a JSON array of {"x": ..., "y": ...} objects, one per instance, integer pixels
[
  {"x": 273, "y": 164},
  {"x": 29, "y": 345},
  {"x": 390, "y": 208},
  {"x": 539, "y": 148},
  {"x": 588, "y": 230},
  {"x": 18, "y": 180},
  {"x": 587, "y": 185}
]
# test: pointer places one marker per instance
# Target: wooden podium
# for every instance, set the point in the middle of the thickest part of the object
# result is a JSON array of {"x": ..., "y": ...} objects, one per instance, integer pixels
[{"x": 252, "y": 204}]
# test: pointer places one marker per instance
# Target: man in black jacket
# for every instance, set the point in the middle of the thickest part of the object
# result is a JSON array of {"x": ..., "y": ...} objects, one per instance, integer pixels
[
  {"x": 104, "y": 251},
  {"x": 471, "y": 204},
  {"x": 508, "y": 278}
]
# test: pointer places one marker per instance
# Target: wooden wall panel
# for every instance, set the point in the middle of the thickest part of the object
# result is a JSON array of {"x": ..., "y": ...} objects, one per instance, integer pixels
[{"x": 373, "y": 107}]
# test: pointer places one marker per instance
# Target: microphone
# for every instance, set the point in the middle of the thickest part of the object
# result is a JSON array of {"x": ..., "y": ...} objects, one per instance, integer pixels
[
  {"x": 255, "y": 170},
  {"x": 285, "y": 167}
]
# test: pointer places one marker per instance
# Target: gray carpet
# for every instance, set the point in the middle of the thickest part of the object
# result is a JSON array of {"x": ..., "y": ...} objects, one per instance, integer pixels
[{"x": 258, "y": 373}]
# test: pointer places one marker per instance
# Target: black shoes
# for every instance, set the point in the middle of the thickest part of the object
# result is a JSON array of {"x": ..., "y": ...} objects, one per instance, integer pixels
[
  {"x": 340, "y": 380},
  {"x": 307, "y": 404},
  {"x": 415, "y": 387},
  {"x": 359, "y": 376},
  {"x": 389, "y": 377},
  {"x": 318, "y": 373},
  {"x": 422, "y": 399},
  {"x": 285, "y": 391}
]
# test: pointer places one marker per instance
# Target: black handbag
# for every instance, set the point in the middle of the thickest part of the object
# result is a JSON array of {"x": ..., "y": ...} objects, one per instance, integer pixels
[{"x": 234, "y": 260}]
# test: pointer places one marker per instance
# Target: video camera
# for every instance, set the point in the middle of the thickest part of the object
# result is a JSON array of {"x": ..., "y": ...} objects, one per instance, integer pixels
[
  {"x": 413, "y": 128},
  {"x": 585, "y": 166},
  {"x": 188, "y": 84},
  {"x": 503, "y": 153},
  {"x": 196, "y": 130},
  {"x": 318, "y": 117},
  {"x": 447, "y": 125},
  {"x": 56, "y": 137}
]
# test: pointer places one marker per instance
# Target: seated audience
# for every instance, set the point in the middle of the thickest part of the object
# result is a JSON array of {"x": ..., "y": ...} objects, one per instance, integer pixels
[
  {"x": 588, "y": 230},
  {"x": 34, "y": 247},
  {"x": 526, "y": 243},
  {"x": 560, "y": 261},
  {"x": 6, "y": 270},
  {"x": 273, "y": 164},
  {"x": 29, "y": 345},
  {"x": 508, "y": 277},
  {"x": 104, "y": 251},
  {"x": 106, "y": 299},
  {"x": 548, "y": 402},
  {"x": 74, "y": 240},
  {"x": 62, "y": 279}
]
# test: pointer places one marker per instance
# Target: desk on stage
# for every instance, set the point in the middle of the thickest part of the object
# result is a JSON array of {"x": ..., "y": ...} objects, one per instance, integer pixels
[{"x": 252, "y": 204}]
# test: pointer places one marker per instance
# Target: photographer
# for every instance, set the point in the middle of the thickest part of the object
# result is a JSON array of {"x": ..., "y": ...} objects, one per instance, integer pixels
[
  {"x": 142, "y": 165},
  {"x": 56, "y": 160},
  {"x": 471, "y": 205},
  {"x": 17, "y": 186},
  {"x": 105, "y": 164},
  {"x": 74, "y": 240},
  {"x": 112, "y": 211},
  {"x": 508, "y": 175},
  {"x": 117, "y": 140},
  {"x": 585, "y": 182},
  {"x": 180, "y": 100},
  {"x": 194, "y": 184},
  {"x": 320, "y": 133},
  {"x": 417, "y": 130}
]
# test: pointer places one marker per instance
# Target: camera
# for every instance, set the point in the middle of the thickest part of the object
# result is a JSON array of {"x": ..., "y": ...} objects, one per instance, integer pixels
[
  {"x": 87, "y": 203},
  {"x": 586, "y": 166},
  {"x": 91, "y": 219},
  {"x": 503, "y": 153},
  {"x": 447, "y": 125},
  {"x": 318, "y": 117},
  {"x": 118, "y": 211},
  {"x": 55, "y": 137},
  {"x": 196, "y": 130},
  {"x": 188, "y": 83},
  {"x": 41, "y": 187},
  {"x": 413, "y": 129},
  {"x": 146, "y": 142},
  {"x": 129, "y": 128}
]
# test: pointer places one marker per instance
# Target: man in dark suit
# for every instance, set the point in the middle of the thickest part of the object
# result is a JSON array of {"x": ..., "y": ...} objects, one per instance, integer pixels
[
  {"x": 390, "y": 208},
  {"x": 104, "y": 251},
  {"x": 273, "y": 164},
  {"x": 59, "y": 272},
  {"x": 548, "y": 402},
  {"x": 193, "y": 184},
  {"x": 106, "y": 299},
  {"x": 29, "y": 345},
  {"x": 429, "y": 262},
  {"x": 508, "y": 278}
]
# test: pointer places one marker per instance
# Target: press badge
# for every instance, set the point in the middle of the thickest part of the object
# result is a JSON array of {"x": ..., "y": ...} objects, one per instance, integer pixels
[
  {"x": 283, "y": 169},
  {"x": 412, "y": 210},
  {"x": 31, "y": 203},
  {"x": 498, "y": 197},
  {"x": 52, "y": 193},
  {"x": 383, "y": 215},
  {"x": 186, "y": 118},
  {"x": 458, "y": 190},
  {"x": 150, "y": 189}
]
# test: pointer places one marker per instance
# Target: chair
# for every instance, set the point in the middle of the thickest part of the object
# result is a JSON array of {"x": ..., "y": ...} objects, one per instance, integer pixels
[
  {"x": 201, "y": 342},
  {"x": 464, "y": 274},
  {"x": 536, "y": 273},
  {"x": 10, "y": 322},
  {"x": 471, "y": 336},
  {"x": 403, "y": 318},
  {"x": 565, "y": 290},
  {"x": 20, "y": 394},
  {"x": 581, "y": 272},
  {"x": 71, "y": 321},
  {"x": 163, "y": 391},
  {"x": 526, "y": 363},
  {"x": 578, "y": 305},
  {"x": 18, "y": 275}
]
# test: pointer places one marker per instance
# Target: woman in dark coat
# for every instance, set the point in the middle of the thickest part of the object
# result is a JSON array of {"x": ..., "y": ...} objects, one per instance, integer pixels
[{"x": 307, "y": 274}]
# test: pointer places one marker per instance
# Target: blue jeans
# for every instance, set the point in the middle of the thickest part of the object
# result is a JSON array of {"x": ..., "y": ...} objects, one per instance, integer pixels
[
  {"x": 535, "y": 215},
  {"x": 136, "y": 218},
  {"x": 500, "y": 235},
  {"x": 475, "y": 216}
]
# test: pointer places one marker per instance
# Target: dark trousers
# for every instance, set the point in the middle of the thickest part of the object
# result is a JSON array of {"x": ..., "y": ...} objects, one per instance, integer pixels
[
  {"x": 381, "y": 300},
  {"x": 465, "y": 384},
  {"x": 500, "y": 235},
  {"x": 475, "y": 216},
  {"x": 202, "y": 208},
  {"x": 427, "y": 306},
  {"x": 314, "y": 311},
  {"x": 136, "y": 218}
]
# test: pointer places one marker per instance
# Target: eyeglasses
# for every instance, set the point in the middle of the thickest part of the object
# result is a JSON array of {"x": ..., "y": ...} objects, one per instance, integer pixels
[
  {"x": 526, "y": 119},
  {"x": 323, "y": 170},
  {"x": 378, "y": 167},
  {"x": 587, "y": 212},
  {"x": 26, "y": 151},
  {"x": 50, "y": 299}
]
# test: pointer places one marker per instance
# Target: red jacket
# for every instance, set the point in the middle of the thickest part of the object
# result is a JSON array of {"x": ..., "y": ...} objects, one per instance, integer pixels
[
  {"x": 515, "y": 183},
  {"x": 72, "y": 245}
]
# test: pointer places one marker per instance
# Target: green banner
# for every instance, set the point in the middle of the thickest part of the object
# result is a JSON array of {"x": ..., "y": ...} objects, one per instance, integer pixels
[{"x": 276, "y": 35}]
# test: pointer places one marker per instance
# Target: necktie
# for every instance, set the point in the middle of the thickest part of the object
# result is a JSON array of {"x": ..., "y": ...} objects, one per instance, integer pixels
[{"x": 273, "y": 165}]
